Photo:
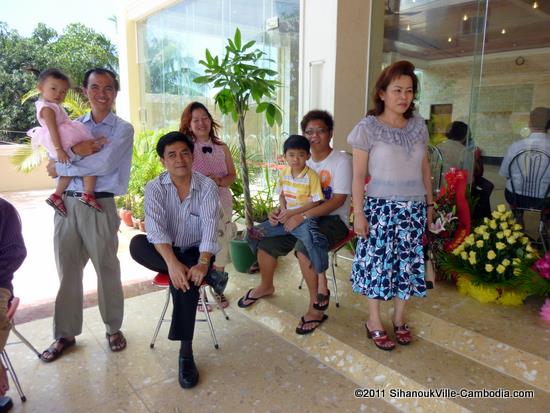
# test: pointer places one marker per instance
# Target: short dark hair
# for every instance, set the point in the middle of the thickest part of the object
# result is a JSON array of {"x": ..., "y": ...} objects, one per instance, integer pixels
[
  {"x": 539, "y": 118},
  {"x": 317, "y": 114},
  {"x": 457, "y": 131},
  {"x": 100, "y": 71},
  {"x": 296, "y": 142},
  {"x": 55, "y": 73},
  {"x": 173, "y": 137},
  {"x": 390, "y": 73}
]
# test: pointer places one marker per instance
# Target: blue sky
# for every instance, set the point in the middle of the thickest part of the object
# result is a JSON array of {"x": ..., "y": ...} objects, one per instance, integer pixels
[{"x": 57, "y": 14}]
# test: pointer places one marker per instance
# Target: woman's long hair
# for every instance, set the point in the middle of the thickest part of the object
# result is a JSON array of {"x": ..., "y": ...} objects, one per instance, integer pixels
[
  {"x": 395, "y": 70},
  {"x": 185, "y": 122}
]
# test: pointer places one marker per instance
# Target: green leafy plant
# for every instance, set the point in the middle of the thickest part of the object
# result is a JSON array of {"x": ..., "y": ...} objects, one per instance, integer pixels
[
  {"x": 145, "y": 167},
  {"x": 263, "y": 201},
  {"x": 242, "y": 82}
]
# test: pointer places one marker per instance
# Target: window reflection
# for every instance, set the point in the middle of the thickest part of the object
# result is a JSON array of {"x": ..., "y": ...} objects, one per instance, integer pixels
[
  {"x": 172, "y": 41},
  {"x": 483, "y": 63}
]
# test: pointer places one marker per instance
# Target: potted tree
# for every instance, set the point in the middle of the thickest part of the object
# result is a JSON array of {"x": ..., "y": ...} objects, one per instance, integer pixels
[{"x": 242, "y": 82}]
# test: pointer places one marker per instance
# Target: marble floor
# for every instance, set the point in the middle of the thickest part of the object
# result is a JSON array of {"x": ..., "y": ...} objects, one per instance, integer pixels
[{"x": 263, "y": 366}]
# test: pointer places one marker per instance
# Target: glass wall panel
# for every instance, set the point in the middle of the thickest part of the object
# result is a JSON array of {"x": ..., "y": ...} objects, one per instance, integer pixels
[
  {"x": 514, "y": 79},
  {"x": 172, "y": 41},
  {"x": 485, "y": 63}
]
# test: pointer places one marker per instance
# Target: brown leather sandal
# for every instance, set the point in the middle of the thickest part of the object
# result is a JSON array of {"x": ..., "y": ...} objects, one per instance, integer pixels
[
  {"x": 380, "y": 339},
  {"x": 56, "y": 349},
  {"x": 117, "y": 341}
]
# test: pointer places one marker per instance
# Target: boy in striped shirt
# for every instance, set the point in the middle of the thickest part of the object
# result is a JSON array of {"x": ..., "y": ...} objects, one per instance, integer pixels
[{"x": 300, "y": 190}]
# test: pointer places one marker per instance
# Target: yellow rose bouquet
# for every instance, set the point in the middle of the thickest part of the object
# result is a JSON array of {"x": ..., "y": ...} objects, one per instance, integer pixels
[{"x": 490, "y": 262}]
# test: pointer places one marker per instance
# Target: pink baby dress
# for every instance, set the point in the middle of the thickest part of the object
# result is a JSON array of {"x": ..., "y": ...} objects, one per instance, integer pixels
[{"x": 71, "y": 132}]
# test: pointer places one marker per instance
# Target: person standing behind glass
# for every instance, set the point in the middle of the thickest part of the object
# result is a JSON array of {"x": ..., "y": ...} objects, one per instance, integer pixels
[
  {"x": 454, "y": 151},
  {"x": 390, "y": 145},
  {"x": 212, "y": 158}
]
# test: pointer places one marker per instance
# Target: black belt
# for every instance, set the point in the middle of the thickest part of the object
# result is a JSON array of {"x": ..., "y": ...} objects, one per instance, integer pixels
[{"x": 98, "y": 195}]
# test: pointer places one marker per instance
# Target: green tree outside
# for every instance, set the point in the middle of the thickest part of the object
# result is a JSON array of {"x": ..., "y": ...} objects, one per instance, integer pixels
[{"x": 75, "y": 50}]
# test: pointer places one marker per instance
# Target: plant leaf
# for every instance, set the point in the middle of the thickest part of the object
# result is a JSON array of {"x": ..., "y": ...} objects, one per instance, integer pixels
[
  {"x": 202, "y": 79},
  {"x": 27, "y": 159},
  {"x": 238, "y": 39}
]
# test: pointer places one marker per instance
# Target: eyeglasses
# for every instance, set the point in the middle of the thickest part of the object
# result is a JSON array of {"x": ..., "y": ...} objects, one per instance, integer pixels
[
  {"x": 206, "y": 149},
  {"x": 315, "y": 131}
]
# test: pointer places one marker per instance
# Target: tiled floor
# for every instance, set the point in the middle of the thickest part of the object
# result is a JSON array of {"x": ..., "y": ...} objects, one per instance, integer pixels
[
  {"x": 254, "y": 370},
  {"x": 263, "y": 366}
]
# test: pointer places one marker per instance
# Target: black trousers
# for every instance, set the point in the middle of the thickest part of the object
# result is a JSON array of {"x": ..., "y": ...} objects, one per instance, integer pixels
[
  {"x": 482, "y": 189},
  {"x": 184, "y": 303}
]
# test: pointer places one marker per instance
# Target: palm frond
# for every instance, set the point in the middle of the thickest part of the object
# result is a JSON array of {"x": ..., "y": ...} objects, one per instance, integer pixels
[
  {"x": 30, "y": 94},
  {"x": 75, "y": 104},
  {"x": 26, "y": 158}
]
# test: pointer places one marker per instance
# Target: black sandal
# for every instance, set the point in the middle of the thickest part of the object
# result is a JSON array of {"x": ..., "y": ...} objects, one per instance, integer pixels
[
  {"x": 322, "y": 297},
  {"x": 57, "y": 351},
  {"x": 302, "y": 331},
  {"x": 241, "y": 303}
]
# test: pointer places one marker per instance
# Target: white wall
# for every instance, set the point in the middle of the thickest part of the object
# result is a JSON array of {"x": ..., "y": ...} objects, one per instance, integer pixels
[{"x": 334, "y": 41}]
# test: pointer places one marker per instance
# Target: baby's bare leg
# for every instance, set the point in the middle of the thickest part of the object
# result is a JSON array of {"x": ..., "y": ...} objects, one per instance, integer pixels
[
  {"x": 62, "y": 184},
  {"x": 89, "y": 184}
]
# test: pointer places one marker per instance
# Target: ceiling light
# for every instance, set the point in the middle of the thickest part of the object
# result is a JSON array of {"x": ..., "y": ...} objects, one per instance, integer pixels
[
  {"x": 503, "y": 31},
  {"x": 450, "y": 39},
  {"x": 408, "y": 27},
  {"x": 535, "y": 5},
  {"x": 465, "y": 17}
]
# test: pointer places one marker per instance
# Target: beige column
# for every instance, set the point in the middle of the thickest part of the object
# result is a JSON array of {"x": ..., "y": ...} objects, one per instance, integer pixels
[{"x": 341, "y": 43}]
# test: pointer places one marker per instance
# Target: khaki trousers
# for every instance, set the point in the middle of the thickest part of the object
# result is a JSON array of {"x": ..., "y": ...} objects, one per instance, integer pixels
[
  {"x": 226, "y": 232},
  {"x": 87, "y": 234}
]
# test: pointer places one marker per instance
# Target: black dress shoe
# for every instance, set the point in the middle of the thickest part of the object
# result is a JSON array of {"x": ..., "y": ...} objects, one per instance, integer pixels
[{"x": 188, "y": 375}]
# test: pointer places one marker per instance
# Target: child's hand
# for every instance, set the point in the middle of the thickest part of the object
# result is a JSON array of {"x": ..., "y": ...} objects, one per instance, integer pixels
[
  {"x": 62, "y": 156},
  {"x": 272, "y": 217},
  {"x": 284, "y": 215}
]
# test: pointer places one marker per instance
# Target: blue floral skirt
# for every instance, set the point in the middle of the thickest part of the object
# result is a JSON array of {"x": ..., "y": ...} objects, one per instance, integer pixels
[{"x": 390, "y": 262}]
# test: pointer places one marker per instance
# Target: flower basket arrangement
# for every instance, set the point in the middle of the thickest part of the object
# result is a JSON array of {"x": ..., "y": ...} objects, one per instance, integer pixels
[{"x": 494, "y": 264}]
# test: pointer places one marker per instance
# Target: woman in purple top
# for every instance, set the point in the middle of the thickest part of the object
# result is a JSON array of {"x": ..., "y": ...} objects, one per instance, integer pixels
[
  {"x": 211, "y": 157},
  {"x": 389, "y": 145}
]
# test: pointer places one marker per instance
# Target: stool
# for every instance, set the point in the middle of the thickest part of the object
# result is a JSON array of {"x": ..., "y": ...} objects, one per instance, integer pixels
[
  {"x": 4, "y": 355},
  {"x": 163, "y": 281}
]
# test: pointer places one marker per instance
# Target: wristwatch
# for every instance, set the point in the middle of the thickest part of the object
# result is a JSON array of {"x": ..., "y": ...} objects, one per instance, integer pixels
[
  {"x": 304, "y": 216},
  {"x": 203, "y": 261}
]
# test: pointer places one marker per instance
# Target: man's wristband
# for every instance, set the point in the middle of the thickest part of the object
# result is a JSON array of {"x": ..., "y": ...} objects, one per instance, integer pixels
[
  {"x": 431, "y": 205},
  {"x": 204, "y": 261}
]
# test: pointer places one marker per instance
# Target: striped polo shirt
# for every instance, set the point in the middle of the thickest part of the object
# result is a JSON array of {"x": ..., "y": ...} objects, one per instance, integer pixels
[{"x": 300, "y": 190}]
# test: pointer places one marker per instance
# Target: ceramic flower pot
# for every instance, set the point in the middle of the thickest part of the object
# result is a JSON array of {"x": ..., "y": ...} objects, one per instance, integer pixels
[
  {"x": 241, "y": 255},
  {"x": 126, "y": 217}
]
